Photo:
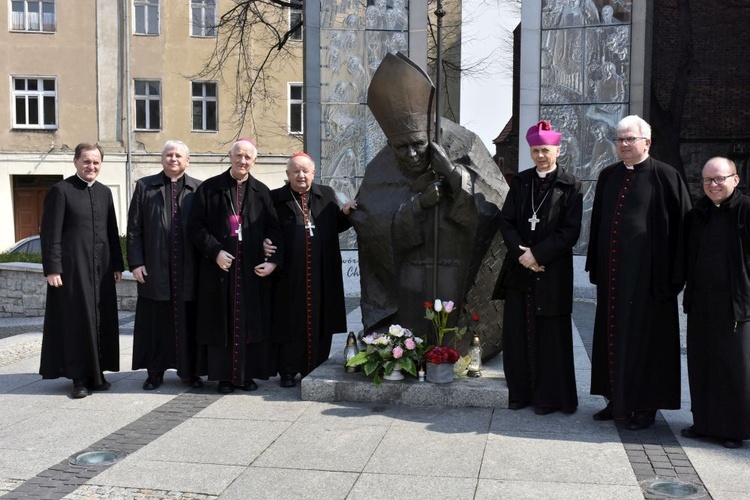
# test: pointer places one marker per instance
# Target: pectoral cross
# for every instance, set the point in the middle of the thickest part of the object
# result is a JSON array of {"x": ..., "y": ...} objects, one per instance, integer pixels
[
  {"x": 239, "y": 233},
  {"x": 533, "y": 221},
  {"x": 310, "y": 226}
]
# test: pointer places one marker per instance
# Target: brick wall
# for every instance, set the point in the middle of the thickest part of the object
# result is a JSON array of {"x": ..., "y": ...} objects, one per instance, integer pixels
[{"x": 23, "y": 291}]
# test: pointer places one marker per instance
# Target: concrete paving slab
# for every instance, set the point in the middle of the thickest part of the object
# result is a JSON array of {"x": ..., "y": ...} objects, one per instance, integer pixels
[
  {"x": 133, "y": 472},
  {"x": 490, "y": 489},
  {"x": 285, "y": 484},
  {"x": 381, "y": 486},
  {"x": 440, "y": 454},
  {"x": 577, "y": 424},
  {"x": 556, "y": 458},
  {"x": 256, "y": 407},
  {"x": 215, "y": 441},
  {"x": 349, "y": 414},
  {"x": 323, "y": 447},
  {"x": 446, "y": 420}
]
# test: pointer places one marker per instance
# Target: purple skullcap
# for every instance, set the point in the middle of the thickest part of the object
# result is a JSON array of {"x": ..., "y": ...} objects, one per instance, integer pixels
[{"x": 542, "y": 134}]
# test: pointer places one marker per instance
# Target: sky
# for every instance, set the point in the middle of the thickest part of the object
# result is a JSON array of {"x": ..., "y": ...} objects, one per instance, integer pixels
[{"x": 487, "y": 100}]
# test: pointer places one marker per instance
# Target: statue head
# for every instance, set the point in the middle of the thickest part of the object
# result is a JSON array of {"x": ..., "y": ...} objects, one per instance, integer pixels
[{"x": 401, "y": 98}]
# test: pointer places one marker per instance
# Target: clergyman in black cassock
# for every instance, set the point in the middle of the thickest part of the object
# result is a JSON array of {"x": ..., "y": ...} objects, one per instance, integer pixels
[
  {"x": 231, "y": 215},
  {"x": 82, "y": 261},
  {"x": 164, "y": 263},
  {"x": 717, "y": 303},
  {"x": 540, "y": 222},
  {"x": 636, "y": 260},
  {"x": 309, "y": 291}
]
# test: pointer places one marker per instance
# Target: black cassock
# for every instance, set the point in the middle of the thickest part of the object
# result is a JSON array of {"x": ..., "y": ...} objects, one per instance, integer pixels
[
  {"x": 718, "y": 333},
  {"x": 165, "y": 318},
  {"x": 636, "y": 259},
  {"x": 309, "y": 291},
  {"x": 537, "y": 331},
  {"x": 234, "y": 308},
  {"x": 80, "y": 241}
]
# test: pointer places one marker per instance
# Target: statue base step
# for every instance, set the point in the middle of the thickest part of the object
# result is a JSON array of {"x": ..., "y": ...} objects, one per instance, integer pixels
[{"x": 331, "y": 383}]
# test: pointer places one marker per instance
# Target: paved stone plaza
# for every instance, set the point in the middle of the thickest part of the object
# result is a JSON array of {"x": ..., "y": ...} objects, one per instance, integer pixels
[{"x": 197, "y": 444}]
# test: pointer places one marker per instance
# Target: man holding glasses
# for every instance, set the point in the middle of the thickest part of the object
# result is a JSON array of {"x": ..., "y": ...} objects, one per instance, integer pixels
[{"x": 635, "y": 259}]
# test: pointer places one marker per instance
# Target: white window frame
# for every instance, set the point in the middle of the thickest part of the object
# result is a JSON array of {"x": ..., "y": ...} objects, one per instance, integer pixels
[
  {"x": 147, "y": 99},
  {"x": 28, "y": 97},
  {"x": 208, "y": 18},
  {"x": 144, "y": 7},
  {"x": 295, "y": 102},
  {"x": 204, "y": 99},
  {"x": 26, "y": 23},
  {"x": 294, "y": 15}
]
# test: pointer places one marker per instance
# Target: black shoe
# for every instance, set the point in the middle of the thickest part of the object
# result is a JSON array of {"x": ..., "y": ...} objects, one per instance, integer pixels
[
  {"x": 153, "y": 382},
  {"x": 287, "y": 381},
  {"x": 97, "y": 387},
  {"x": 250, "y": 385},
  {"x": 195, "y": 382},
  {"x": 605, "y": 414},
  {"x": 544, "y": 410},
  {"x": 518, "y": 405},
  {"x": 79, "y": 390},
  {"x": 690, "y": 432},
  {"x": 225, "y": 387},
  {"x": 641, "y": 419},
  {"x": 732, "y": 443}
]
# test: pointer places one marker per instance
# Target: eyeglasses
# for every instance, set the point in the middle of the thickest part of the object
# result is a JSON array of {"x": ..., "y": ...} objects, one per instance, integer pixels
[
  {"x": 628, "y": 140},
  {"x": 718, "y": 180}
]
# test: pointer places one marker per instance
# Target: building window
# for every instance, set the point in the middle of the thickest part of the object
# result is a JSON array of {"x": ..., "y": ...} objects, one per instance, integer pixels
[
  {"x": 34, "y": 103},
  {"x": 204, "y": 18},
  {"x": 295, "y": 19},
  {"x": 147, "y": 104},
  {"x": 28, "y": 15},
  {"x": 295, "y": 108},
  {"x": 204, "y": 106},
  {"x": 146, "y": 17}
]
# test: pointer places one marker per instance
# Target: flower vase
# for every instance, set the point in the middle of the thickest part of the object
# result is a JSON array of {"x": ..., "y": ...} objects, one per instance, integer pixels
[
  {"x": 439, "y": 374},
  {"x": 395, "y": 374}
]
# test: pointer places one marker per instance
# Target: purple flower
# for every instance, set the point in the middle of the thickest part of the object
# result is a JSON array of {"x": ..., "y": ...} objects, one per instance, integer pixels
[{"x": 448, "y": 306}]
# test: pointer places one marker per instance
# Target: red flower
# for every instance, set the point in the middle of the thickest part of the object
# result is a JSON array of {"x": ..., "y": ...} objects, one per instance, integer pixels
[
  {"x": 475, "y": 317},
  {"x": 428, "y": 305},
  {"x": 442, "y": 354}
]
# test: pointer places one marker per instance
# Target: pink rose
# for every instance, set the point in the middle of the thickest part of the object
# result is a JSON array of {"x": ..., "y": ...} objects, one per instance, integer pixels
[
  {"x": 410, "y": 344},
  {"x": 398, "y": 351}
]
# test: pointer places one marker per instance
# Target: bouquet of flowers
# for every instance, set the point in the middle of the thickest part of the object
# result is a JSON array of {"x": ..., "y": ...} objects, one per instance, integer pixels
[
  {"x": 385, "y": 351},
  {"x": 438, "y": 313}
]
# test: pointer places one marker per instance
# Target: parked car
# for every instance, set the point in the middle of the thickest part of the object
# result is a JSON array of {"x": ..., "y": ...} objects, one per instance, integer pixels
[{"x": 32, "y": 244}]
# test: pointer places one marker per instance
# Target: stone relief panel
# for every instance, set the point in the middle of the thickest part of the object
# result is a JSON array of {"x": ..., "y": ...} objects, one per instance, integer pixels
[{"x": 572, "y": 13}]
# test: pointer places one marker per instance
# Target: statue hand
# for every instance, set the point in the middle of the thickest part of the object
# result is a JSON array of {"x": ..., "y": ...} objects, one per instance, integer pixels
[
  {"x": 440, "y": 162},
  {"x": 430, "y": 196}
]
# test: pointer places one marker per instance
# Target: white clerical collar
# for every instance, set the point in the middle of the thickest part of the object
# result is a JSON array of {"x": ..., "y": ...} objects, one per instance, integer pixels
[
  {"x": 545, "y": 174},
  {"x": 238, "y": 180},
  {"x": 88, "y": 184}
]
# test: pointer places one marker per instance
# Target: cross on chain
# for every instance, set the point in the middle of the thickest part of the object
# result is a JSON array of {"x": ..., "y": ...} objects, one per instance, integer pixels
[
  {"x": 239, "y": 232},
  {"x": 309, "y": 226},
  {"x": 533, "y": 219}
]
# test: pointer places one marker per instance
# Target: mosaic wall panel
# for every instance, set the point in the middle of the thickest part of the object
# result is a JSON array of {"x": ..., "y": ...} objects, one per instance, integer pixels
[
  {"x": 585, "y": 84},
  {"x": 354, "y": 38}
]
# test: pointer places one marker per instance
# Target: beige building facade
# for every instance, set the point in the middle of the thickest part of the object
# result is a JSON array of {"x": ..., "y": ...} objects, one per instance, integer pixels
[{"x": 129, "y": 76}]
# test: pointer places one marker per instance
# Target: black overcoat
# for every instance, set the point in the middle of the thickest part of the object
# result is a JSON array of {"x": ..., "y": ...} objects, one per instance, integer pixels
[
  {"x": 329, "y": 221},
  {"x": 210, "y": 232},
  {"x": 553, "y": 246},
  {"x": 149, "y": 224},
  {"x": 80, "y": 241}
]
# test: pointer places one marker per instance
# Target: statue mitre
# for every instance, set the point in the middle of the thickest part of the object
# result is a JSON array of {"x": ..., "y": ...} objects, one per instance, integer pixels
[{"x": 401, "y": 96}]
